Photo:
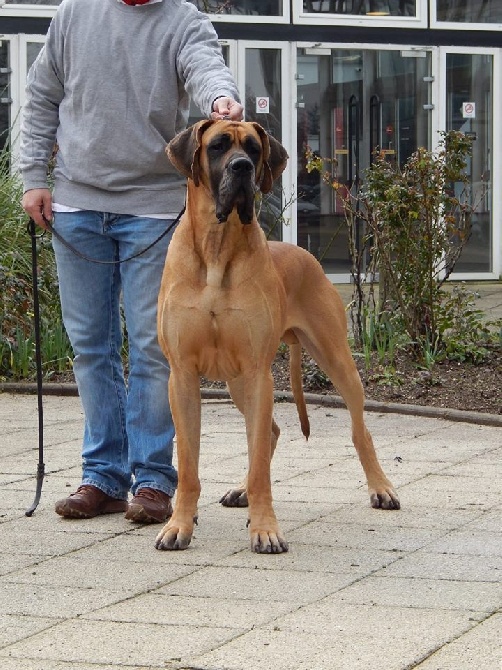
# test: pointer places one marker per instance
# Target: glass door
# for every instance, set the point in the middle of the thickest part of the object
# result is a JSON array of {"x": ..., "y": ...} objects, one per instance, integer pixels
[
  {"x": 352, "y": 102},
  {"x": 469, "y": 109},
  {"x": 5, "y": 93},
  {"x": 263, "y": 101}
]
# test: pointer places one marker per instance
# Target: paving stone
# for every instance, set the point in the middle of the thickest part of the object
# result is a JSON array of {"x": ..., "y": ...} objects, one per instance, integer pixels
[
  {"x": 335, "y": 636},
  {"x": 428, "y": 593},
  {"x": 119, "y": 643},
  {"x": 359, "y": 588},
  {"x": 256, "y": 585},
  {"x": 478, "y": 648}
]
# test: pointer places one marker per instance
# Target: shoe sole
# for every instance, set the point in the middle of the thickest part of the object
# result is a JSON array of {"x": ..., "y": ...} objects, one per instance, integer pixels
[
  {"x": 138, "y": 514},
  {"x": 72, "y": 513}
]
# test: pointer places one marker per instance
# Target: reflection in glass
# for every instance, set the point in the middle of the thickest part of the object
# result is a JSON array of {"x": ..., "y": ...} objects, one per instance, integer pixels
[
  {"x": 470, "y": 11},
  {"x": 32, "y": 51},
  {"x": 5, "y": 106},
  {"x": 263, "y": 105},
  {"x": 240, "y": 7},
  {"x": 33, "y": 2},
  {"x": 469, "y": 110},
  {"x": 377, "y": 8},
  {"x": 352, "y": 103}
]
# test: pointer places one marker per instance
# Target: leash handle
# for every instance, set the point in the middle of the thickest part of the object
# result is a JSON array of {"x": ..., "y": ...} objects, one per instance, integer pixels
[
  {"x": 84, "y": 257},
  {"x": 38, "y": 358}
]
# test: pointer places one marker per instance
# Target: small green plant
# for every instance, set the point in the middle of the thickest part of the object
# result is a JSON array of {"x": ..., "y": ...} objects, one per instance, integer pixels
[{"x": 465, "y": 333}]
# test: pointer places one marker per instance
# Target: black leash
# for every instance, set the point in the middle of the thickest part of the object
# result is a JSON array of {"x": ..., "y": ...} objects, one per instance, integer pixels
[
  {"x": 78, "y": 253},
  {"x": 38, "y": 358},
  {"x": 36, "y": 321}
]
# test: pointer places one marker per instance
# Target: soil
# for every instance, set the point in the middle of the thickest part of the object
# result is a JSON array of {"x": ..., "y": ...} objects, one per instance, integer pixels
[{"x": 450, "y": 384}]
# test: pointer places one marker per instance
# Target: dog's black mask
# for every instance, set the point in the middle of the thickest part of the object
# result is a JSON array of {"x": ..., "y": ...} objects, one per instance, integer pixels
[{"x": 233, "y": 179}]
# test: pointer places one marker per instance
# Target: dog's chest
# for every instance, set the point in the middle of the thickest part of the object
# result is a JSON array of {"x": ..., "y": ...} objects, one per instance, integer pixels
[{"x": 223, "y": 329}]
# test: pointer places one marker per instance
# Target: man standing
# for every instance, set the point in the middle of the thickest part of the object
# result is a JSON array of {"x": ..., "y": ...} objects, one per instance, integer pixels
[{"x": 111, "y": 88}]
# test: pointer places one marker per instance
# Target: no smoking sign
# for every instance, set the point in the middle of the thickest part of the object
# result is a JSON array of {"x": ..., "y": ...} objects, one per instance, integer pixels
[
  {"x": 262, "y": 105},
  {"x": 468, "y": 110}
]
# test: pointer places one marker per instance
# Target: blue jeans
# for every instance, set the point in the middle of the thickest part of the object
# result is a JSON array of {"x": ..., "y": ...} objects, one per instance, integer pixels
[{"x": 128, "y": 433}]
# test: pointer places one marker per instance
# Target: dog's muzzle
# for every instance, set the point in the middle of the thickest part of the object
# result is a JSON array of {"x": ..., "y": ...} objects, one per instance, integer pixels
[{"x": 237, "y": 189}]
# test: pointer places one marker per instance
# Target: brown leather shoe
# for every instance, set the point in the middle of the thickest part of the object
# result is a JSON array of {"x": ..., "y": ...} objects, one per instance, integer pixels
[
  {"x": 87, "y": 502},
  {"x": 149, "y": 506}
]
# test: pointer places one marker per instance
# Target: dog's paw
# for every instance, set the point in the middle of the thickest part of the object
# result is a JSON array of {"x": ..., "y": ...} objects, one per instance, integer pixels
[
  {"x": 268, "y": 542},
  {"x": 235, "y": 498},
  {"x": 384, "y": 498},
  {"x": 173, "y": 537}
]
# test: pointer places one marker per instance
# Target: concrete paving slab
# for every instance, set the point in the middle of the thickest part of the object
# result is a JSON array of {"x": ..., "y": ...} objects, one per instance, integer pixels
[
  {"x": 413, "y": 516},
  {"x": 255, "y": 586},
  {"x": 21, "y": 537},
  {"x": 423, "y": 564},
  {"x": 359, "y": 587},
  {"x": 354, "y": 563},
  {"x": 120, "y": 643},
  {"x": 15, "y": 628},
  {"x": 428, "y": 593},
  {"x": 45, "y": 664},
  {"x": 335, "y": 636},
  {"x": 365, "y": 537},
  {"x": 478, "y": 648},
  {"x": 62, "y": 603},
  {"x": 118, "y": 575},
  {"x": 469, "y": 543},
  {"x": 168, "y": 610}
]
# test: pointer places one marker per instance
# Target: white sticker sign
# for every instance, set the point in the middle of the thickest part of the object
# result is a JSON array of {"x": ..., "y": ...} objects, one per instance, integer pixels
[
  {"x": 468, "y": 110},
  {"x": 262, "y": 105}
]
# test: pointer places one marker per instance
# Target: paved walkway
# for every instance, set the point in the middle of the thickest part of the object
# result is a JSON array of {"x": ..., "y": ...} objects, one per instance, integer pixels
[{"x": 359, "y": 588}]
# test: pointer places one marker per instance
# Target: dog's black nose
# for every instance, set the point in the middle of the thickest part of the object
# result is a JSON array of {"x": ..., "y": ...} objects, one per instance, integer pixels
[{"x": 241, "y": 165}]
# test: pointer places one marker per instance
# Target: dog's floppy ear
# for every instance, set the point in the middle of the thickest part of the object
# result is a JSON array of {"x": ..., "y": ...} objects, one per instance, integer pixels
[
  {"x": 184, "y": 150},
  {"x": 275, "y": 158}
]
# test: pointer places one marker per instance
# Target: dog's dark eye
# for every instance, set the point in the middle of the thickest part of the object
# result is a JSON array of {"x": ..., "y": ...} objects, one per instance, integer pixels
[
  {"x": 252, "y": 148},
  {"x": 219, "y": 144}
]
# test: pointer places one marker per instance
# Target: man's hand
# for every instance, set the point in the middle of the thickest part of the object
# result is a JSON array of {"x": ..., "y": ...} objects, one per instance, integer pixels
[
  {"x": 227, "y": 108},
  {"x": 37, "y": 203}
]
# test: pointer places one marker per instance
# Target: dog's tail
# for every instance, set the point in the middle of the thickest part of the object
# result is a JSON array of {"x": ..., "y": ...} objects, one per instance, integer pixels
[{"x": 295, "y": 375}]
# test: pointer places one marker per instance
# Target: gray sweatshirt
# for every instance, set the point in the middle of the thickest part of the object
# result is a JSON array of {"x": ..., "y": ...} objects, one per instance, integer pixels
[{"x": 111, "y": 86}]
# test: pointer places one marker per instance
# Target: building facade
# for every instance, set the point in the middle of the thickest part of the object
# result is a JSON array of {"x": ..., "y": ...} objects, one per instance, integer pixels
[{"x": 342, "y": 77}]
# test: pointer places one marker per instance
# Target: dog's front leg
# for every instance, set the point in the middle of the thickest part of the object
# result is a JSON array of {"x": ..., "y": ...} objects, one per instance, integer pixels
[
  {"x": 184, "y": 396},
  {"x": 265, "y": 534}
]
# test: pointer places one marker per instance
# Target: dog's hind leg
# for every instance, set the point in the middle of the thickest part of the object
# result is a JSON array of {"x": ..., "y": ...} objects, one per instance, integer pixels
[
  {"x": 327, "y": 344},
  {"x": 237, "y": 496}
]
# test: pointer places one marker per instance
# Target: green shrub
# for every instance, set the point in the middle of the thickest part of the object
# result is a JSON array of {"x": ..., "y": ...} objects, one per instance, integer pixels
[
  {"x": 17, "y": 356},
  {"x": 407, "y": 229}
]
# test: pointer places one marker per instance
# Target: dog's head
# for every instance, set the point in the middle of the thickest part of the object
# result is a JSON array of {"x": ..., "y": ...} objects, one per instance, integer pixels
[{"x": 232, "y": 159}]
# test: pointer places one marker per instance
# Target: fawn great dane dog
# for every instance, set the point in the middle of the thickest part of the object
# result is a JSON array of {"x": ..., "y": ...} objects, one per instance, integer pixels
[{"x": 227, "y": 299}]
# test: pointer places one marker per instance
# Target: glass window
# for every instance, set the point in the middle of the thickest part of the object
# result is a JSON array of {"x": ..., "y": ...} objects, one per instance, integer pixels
[
  {"x": 469, "y": 109},
  {"x": 377, "y": 8},
  {"x": 32, "y": 51},
  {"x": 5, "y": 99},
  {"x": 240, "y": 7},
  {"x": 33, "y": 2},
  {"x": 263, "y": 103},
  {"x": 351, "y": 103},
  {"x": 469, "y": 11}
]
